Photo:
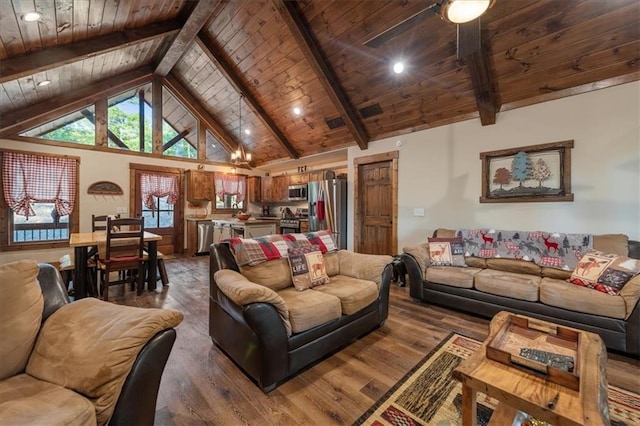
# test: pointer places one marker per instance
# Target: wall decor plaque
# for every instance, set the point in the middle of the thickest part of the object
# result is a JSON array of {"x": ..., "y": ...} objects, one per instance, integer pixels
[
  {"x": 527, "y": 174},
  {"x": 105, "y": 187}
]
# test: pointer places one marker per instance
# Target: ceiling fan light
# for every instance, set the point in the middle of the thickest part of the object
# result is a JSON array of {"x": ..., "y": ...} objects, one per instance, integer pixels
[{"x": 461, "y": 11}]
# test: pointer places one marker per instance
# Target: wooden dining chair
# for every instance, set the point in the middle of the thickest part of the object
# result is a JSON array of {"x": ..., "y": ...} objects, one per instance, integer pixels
[
  {"x": 123, "y": 251},
  {"x": 99, "y": 222}
]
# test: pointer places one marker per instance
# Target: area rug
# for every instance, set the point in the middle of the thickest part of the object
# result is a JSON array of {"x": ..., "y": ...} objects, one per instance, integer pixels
[{"x": 428, "y": 395}]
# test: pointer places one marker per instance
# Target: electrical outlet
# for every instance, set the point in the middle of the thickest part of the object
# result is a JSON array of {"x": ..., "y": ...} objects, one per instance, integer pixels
[
  {"x": 418, "y": 211},
  {"x": 121, "y": 210}
]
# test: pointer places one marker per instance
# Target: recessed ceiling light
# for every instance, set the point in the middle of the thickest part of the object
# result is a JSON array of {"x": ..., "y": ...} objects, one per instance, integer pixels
[
  {"x": 213, "y": 145},
  {"x": 44, "y": 83},
  {"x": 247, "y": 131},
  {"x": 398, "y": 67},
  {"x": 31, "y": 16},
  {"x": 297, "y": 110}
]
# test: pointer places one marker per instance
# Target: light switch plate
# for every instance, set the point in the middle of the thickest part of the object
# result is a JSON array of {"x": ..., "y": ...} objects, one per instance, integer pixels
[
  {"x": 121, "y": 210},
  {"x": 418, "y": 211}
]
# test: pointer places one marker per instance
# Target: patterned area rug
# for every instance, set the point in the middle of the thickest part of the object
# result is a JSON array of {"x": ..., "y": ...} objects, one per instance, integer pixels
[{"x": 428, "y": 395}]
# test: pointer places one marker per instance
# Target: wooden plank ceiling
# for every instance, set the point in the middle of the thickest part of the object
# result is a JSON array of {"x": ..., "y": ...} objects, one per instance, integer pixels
[{"x": 330, "y": 58}]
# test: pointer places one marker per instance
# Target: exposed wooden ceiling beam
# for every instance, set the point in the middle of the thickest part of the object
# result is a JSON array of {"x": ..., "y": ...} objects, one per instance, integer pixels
[
  {"x": 470, "y": 49},
  {"x": 191, "y": 103},
  {"x": 226, "y": 70},
  {"x": 309, "y": 46},
  {"x": 180, "y": 44},
  {"x": 12, "y": 123},
  {"x": 53, "y": 57}
]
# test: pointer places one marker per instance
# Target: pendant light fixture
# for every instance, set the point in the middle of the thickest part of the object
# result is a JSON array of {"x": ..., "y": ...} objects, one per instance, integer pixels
[{"x": 240, "y": 157}]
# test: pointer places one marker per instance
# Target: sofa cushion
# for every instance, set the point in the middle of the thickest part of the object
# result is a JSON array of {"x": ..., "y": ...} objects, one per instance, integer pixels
[
  {"x": 561, "y": 294},
  {"x": 445, "y": 233},
  {"x": 25, "y": 400},
  {"x": 307, "y": 267},
  {"x": 605, "y": 272},
  {"x": 308, "y": 309},
  {"x": 446, "y": 251},
  {"x": 559, "y": 274},
  {"x": 21, "y": 305},
  {"x": 96, "y": 359},
  {"x": 612, "y": 243},
  {"x": 451, "y": 275},
  {"x": 332, "y": 263},
  {"x": 514, "y": 265},
  {"x": 508, "y": 284},
  {"x": 274, "y": 274},
  {"x": 476, "y": 262},
  {"x": 364, "y": 266},
  {"x": 631, "y": 294},
  {"x": 354, "y": 294},
  {"x": 242, "y": 291}
]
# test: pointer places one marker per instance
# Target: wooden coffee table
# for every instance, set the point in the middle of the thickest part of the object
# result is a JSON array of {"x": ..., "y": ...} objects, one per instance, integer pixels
[{"x": 532, "y": 392}]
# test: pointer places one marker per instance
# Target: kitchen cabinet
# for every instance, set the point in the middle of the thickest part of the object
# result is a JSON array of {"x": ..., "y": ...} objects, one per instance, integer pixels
[
  {"x": 280, "y": 188},
  {"x": 254, "y": 189},
  {"x": 199, "y": 185},
  {"x": 221, "y": 231},
  {"x": 316, "y": 176},
  {"x": 299, "y": 179},
  {"x": 275, "y": 188},
  {"x": 254, "y": 231},
  {"x": 304, "y": 226},
  {"x": 266, "y": 189}
]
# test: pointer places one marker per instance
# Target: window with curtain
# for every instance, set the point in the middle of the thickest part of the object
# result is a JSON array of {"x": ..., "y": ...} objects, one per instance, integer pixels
[
  {"x": 39, "y": 193},
  {"x": 230, "y": 190},
  {"x": 159, "y": 195}
]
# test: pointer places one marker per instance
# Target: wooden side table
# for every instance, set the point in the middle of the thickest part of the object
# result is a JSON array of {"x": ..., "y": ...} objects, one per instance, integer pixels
[{"x": 532, "y": 392}]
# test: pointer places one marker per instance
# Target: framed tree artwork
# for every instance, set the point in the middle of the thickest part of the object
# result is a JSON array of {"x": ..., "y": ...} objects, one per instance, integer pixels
[{"x": 527, "y": 174}]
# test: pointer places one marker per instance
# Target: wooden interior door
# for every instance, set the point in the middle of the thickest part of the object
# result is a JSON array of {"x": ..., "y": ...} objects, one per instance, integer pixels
[
  {"x": 172, "y": 233},
  {"x": 376, "y": 204}
]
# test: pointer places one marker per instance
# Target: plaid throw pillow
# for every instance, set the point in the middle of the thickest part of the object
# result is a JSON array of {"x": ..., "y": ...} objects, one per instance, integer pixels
[
  {"x": 307, "y": 267},
  {"x": 446, "y": 251},
  {"x": 604, "y": 272}
]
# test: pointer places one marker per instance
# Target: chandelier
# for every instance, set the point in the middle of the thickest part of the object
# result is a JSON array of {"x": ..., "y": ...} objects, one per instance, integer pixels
[{"x": 240, "y": 157}]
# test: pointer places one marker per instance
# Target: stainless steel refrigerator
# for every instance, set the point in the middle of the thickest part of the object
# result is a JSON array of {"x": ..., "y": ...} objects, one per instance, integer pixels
[{"x": 328, "y": 208}]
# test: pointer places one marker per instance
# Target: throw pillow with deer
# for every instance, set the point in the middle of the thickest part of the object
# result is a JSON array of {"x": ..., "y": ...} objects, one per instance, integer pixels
[
  {"x": 446, "y": 252},
  {"x": 604, "y": 272}
]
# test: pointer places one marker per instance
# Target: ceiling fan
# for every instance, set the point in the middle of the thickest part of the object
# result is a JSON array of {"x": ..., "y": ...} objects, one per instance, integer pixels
[{"x": 453, "y": 11}]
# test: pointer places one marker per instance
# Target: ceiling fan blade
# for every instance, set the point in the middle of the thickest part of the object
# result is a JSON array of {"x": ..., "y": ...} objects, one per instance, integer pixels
[{"x": 402, "y": 26}]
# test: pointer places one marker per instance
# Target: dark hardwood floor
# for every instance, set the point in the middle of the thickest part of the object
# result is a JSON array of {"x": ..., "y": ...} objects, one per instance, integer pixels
[{"x": 201, "y": 385}]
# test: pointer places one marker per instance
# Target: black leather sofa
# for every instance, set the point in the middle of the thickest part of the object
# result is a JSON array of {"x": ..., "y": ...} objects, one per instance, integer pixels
[
  {"x": 254, "y": 337},
  {"x": 621, "y": 335},
  {"x": 137, "y": 402}
]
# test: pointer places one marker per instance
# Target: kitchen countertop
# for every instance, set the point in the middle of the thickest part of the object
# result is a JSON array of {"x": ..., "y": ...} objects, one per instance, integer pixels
[{"x": 249, "y": 222}]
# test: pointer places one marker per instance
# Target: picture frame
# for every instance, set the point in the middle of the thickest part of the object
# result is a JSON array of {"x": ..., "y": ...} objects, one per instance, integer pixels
[{"x": 534, "y": 173}]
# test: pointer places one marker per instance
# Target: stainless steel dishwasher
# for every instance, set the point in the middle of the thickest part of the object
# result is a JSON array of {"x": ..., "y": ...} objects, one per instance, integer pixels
[{"x": 205, "y": 236}]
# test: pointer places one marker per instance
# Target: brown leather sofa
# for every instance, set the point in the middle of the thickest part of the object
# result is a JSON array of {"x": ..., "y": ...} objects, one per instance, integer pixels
[
  {"x": 443, "y": 286},
  {"x": 59, "y": 384},
  {"x": 255, "y": 336}
]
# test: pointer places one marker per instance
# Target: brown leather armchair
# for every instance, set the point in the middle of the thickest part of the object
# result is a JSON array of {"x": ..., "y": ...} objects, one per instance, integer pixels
[{"x": 47, "y": 377}]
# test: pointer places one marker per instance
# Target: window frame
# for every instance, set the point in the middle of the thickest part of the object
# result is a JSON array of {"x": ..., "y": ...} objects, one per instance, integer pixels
[
  {"x": 214, "y": 209},
  {"x": 6, "y": 214}
]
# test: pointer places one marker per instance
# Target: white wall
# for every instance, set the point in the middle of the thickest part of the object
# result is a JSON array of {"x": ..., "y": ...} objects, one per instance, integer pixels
[
  {"x": 440, "y": 168},
  {"x": 94, "y": 166}
]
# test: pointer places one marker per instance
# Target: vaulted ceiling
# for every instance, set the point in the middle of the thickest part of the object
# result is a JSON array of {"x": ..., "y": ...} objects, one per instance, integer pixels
[{"x": 330, "y": 58}]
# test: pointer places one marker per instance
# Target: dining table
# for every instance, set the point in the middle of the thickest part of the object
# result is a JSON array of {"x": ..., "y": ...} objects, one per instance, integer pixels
[{"x": 83, "y": 242}]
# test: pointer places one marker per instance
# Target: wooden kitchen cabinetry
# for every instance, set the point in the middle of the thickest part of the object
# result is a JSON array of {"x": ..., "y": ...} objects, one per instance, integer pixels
[
  {"x": 266, "y": 189},
  {"x": 275, "y": 188},
  {"x": 199, "y": 185},
  {"x": 299, "y": 179},
  {"x": 280, "y": 188},
  {"x": 316, "y": 176},
  {"x": 304, "y": 226},
  {"x": 254, "y": 189}
]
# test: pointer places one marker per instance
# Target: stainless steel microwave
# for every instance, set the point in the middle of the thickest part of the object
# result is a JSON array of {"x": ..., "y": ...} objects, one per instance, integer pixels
[{"x": 297, "y": 192}]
